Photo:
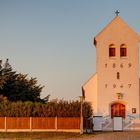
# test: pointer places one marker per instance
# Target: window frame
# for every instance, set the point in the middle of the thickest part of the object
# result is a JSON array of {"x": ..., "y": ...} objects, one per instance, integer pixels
[
  {"x": 112, "y": 50},
  {"x": 123, "y": 50}
]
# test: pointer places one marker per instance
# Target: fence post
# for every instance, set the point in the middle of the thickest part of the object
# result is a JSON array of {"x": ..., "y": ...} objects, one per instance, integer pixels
[
  {"x": 5, "y": 123},
  {"x": 30, "y": 123},
  {"x": 81, "y": 114},
  {"x": 56, "y": 123}
]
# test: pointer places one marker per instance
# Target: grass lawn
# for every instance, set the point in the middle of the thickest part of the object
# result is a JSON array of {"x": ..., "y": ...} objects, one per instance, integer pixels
[{"x": 44, "y": 135}]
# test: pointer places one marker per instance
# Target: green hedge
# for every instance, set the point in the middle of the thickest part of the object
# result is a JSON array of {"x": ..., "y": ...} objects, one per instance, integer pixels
[{"x": 53, "y": 108}]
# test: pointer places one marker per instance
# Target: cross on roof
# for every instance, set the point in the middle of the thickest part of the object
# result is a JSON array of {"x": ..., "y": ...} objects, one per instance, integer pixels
[{"x": 117, "y": 12}]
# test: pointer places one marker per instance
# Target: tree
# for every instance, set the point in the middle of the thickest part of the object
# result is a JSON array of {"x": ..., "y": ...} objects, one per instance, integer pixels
[{"x": 18, "y": 87}]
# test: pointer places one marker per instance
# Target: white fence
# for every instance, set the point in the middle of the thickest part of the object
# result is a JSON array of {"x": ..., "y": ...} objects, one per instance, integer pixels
[{"x": 106, "y": 123}]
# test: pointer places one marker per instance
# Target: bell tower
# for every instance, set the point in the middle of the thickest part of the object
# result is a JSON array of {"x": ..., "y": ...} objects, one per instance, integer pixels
[{"x": 115, "y": 86}]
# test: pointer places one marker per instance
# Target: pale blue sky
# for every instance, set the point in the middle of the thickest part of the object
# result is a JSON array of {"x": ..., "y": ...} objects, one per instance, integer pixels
[{"x": 53, "y": 39}]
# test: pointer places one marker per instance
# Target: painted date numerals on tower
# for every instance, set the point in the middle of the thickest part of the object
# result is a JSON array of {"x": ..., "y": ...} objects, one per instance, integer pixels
[
  {"x": 121, "y": 65},
  {"x": 114, "y": 86},
  {"x": 114, "y": 65},
  {"x": 129, "y": 85},
  {"x": 129, "y": 65},
  {"x": 106, "y": 65},
  {"x": 121, "y": 86},
  {"x": 118, "y": 86}
]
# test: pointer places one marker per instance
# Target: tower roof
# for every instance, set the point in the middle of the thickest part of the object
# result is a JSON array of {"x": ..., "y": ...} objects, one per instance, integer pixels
[{"x": 116, "y": 27}]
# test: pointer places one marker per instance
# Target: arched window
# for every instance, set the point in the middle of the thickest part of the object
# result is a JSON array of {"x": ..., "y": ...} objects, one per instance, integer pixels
[
  {"x": 112, "y": 51},
  {"x": 123, "y": 50}
]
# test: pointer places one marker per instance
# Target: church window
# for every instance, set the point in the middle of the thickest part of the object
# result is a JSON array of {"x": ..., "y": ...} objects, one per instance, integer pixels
[
  {"x": 123, "y": 50},
  {"x": 112, "y": 51},
  {"x": 118, "y": 75}
]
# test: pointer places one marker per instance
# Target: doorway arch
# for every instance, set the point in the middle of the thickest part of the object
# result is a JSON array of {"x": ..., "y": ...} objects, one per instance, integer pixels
[{"x": 117, "y": 110}]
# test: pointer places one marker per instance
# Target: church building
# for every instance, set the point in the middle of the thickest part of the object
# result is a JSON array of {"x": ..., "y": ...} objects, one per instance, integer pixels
[{"x": 114, "y": 89}]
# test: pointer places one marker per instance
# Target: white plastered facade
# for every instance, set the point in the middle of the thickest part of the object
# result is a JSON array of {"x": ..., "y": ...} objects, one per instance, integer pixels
[{"x": 104, "y": 88}]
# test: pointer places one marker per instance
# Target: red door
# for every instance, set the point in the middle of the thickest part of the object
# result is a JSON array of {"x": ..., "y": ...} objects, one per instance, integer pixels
[{"x": 117, "y": 109}]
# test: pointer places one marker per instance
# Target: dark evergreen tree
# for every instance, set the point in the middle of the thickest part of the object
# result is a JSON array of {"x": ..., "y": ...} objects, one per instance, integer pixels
[{"x": 17, "y": 86}]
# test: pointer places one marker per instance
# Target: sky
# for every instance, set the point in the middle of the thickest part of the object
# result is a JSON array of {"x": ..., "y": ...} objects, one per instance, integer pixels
[{"x": 52, "y": 40}]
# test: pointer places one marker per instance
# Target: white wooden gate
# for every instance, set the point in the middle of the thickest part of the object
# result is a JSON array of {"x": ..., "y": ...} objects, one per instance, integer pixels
[
  {"x": 117, "y": 124},
  {"x": 97, "y": 121}
]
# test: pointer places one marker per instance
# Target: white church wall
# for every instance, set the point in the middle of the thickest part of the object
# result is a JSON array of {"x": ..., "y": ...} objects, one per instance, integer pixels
[
  {"x": 105, "y": 88},
  {"x": 90, "y": 88},
  {"x": 107, "y": 68}
]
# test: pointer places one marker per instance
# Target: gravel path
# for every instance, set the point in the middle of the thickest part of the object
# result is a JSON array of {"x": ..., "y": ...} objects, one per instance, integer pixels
[
  {"x": 118, "y": 136},
  {"x": 113, "y": 136},
  {"x": 95, "y": 136}
]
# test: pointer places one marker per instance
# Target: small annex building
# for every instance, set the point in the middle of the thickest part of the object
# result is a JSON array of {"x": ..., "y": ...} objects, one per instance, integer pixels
[{"x": 114, "y": 89}]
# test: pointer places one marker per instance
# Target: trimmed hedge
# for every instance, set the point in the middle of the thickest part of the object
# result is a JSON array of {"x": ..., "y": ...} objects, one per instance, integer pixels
[{"x": 52, "y": 108}]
